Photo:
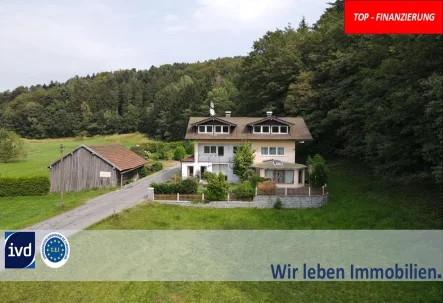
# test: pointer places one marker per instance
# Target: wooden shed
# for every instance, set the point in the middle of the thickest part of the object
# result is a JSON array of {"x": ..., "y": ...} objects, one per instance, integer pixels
[{"x": 94, "y": 166}]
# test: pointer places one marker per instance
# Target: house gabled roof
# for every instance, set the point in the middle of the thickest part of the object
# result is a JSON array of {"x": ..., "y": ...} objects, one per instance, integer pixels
[
  {"x": 114, "y": 154},
  {"x": 214, "y": 119},
  {"x": 298, "y": 131}
]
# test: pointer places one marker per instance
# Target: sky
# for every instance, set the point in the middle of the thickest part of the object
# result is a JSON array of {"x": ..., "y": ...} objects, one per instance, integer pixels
[{"x": 56, "y": 40}]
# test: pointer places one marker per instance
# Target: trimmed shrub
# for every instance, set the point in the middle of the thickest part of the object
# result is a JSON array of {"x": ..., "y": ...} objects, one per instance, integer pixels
[
  {"x": 217, "y": 189},
  {"x": 179, "y": 153},
  {"x": 156, "y": 166},
  {"x": 278, "y": 204},
  {"x": 244, "y": 190},
  {"x": 188, "y": 186},
  {"x": 166, "y": 188},
  {"x": 143, "y": 172},
  {"x": 24, "y": 186},
  {"x": 208, "y": 176}
]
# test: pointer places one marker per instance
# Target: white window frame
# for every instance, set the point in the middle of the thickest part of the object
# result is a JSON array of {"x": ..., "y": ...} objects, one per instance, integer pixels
[
  {"x": 273, "y": 147},
  {"x": 280, "y": 129},
  {"x": 287, "y": 129},
  {"x": 206, "y": 129},
  {"x": 261, "y": 129},
  {"x": 210, "y": 149},
  {"x": 222, "y": 131},
  {"x": 268, "y": 149}
]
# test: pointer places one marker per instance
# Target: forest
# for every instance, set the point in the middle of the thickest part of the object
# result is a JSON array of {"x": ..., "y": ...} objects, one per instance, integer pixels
[{"x": 376, "y": 98}]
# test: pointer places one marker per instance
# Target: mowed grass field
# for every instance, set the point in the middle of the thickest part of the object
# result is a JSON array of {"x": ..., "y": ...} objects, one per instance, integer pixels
[
  {"x": 357, "y": 201},
  {"x": 41, "y": 153},
  {"x": 20, "y": 212}
]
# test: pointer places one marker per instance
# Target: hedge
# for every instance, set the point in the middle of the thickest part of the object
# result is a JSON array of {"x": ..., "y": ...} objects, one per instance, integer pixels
[
  {"x": 187, "y": 186},
  {"x": 244, "y": 190},
  {"x": 156, "y": 166},
  {"x": 24, "y": 186}
]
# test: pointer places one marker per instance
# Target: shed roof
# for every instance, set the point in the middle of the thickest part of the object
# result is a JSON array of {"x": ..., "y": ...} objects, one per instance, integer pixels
[
  {"x": 189, "y": 159},
  {"x": 115, "y": 154},
  {"x": 297, "y": 129}
]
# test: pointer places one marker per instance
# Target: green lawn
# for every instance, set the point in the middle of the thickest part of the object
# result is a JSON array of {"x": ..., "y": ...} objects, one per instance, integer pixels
[
  {"x": 20, "y": 212},
  {"x": 41, "y": 153},
  {"x": 357, "y": 201}
]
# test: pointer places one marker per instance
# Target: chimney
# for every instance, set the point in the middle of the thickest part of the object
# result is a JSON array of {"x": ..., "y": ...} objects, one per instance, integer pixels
[
  {"x": 228, "y": 113},
  {"x": 269, "y": 113}
]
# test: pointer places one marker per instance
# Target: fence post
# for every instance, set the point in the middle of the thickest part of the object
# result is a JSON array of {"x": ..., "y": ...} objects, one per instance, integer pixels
[
  {"x": 178, "y": 197},
  {"x": 286, "y": 191},
  {"x": 203, "y": 196},
  {"x": 151, "y": 194},
  {"x": 323, "y": 188},
  {"x": 228, "y": 196},
  {"x": 256, "y": 190},
  {"x": 309, "y": 191}
]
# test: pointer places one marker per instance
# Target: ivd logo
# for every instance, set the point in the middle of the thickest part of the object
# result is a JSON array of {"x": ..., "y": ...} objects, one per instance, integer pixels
[{"x": 19, "y": 249}]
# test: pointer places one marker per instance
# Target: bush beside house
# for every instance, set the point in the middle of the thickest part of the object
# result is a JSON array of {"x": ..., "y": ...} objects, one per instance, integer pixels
[
  {"x": 187, "y": 186},
  {"x": 243, "y": 160},
  {"x": 156, "y": 166},
  {"x": 217, "y": 188},
  {"x": 244, "y": 190},
  {"x": 143, "y": 172},
  {"x": 318, "y": 171},
  {"x": 24, "y": 186},
  {"x": 179, "y": 153}
]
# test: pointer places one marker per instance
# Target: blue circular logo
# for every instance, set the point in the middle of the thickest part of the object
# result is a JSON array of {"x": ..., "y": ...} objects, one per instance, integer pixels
[{"x": 55, "y": 250}]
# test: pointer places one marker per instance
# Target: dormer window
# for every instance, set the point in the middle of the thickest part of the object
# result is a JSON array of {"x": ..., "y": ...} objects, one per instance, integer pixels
[
  {"x": 216, "y": 129},
  {"x": 205, "y": 129},
  {"x": 221, "y": 129},
  {"x": 276, "y": 129},
  {"x": 262, "y": 129}
]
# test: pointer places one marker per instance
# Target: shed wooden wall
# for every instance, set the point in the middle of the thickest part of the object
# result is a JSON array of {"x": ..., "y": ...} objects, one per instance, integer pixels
[{"x": 82, "y": 171}]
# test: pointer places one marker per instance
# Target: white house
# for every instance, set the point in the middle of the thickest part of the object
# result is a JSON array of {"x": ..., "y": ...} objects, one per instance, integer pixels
[{"x": 273, "y": 139}]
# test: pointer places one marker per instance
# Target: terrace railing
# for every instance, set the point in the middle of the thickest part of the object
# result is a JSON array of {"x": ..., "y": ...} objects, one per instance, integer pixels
[{"x": 270, "y": 188}]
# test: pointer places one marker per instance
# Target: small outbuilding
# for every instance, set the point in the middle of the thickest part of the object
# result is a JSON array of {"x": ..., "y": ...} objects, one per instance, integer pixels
[{"x": 95, "y": 166}]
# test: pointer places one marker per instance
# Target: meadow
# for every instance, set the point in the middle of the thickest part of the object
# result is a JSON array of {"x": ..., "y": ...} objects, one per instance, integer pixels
[
  {"x": 357, "y": 201},
  {"x": 41, "y": 153}
]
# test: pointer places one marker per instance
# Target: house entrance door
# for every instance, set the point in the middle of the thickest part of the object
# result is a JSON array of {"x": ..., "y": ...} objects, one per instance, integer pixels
[{"x": 190, "y": 171}]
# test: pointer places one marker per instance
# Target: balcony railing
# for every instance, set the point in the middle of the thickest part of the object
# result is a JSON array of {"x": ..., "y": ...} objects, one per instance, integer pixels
[{"x": 214, "y": 159}]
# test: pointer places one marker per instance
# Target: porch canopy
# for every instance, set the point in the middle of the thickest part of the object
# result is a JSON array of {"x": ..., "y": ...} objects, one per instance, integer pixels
[{"x": 279, "y": 165}]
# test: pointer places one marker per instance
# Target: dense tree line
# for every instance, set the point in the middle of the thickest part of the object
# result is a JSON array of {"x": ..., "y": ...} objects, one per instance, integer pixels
[{"x": 373, "y": 97}]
